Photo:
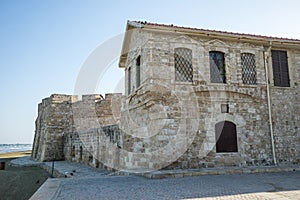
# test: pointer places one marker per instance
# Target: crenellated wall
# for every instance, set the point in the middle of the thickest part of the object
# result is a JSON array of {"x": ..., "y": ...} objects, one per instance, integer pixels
[
  {"x": 54, "y": 119},
  {"x": 67, "y": 127}
]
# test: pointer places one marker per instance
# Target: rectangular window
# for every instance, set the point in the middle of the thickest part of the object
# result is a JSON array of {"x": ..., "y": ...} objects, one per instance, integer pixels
[
  {"x": 183, "y": 65},
  {"x": 248, "y": 68},
  {"x": 138, "y": 71},
  {"x": 280, "y": 68},
  {"x": 217, "y": 67},
  {"x": 224, "y": 108},
  {"x": 129, "y": 80}
]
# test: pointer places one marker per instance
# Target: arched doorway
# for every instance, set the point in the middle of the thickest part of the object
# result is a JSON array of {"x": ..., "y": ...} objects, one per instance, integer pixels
[{"x": 226, "y": 137}]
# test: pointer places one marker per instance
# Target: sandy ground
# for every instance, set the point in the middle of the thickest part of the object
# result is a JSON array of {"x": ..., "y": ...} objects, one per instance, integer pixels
[{"x": 19, "y": 182}]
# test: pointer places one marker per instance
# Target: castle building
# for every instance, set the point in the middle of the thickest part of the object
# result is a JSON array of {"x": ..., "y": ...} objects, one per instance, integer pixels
[{"x": 193, "y": 98}]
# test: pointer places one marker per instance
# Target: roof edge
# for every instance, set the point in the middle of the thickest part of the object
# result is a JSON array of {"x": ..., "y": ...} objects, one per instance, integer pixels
[{"x": 145, "y": 24}]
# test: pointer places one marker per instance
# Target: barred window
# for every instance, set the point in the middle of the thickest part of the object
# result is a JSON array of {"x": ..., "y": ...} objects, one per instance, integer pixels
[
  {"x": 217, "y": 67},
  {"x": 183, "y": 65},
  {"x": 248, "y": 68},
  {"x": 138, "y": 71},
  {"x": 226, "y": 138},
  {"x": 280, "y": 68}
]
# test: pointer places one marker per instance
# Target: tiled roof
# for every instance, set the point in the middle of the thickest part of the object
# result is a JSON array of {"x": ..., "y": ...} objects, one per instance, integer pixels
[{"x": 219, "y": 32}]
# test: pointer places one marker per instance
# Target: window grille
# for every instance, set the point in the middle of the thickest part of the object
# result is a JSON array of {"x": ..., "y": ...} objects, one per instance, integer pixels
[
  {"x": 217, "y": 67},
  {"x": 248, "y": 68},
  {"x": 226, "y": 137},
  {"x": 280, "y": 68},
  {"x": 183, "y": 65}
]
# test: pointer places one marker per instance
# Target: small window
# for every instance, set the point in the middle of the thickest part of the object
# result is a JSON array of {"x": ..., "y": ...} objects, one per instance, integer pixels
[
  {"x": 224, "y": 108},
  {"x": 80, "y": 153},
  {"x": 280, "y": 68},
  {"x": 129, "y": 81},
  {"x": 73, "y": 152},
  {"x": 248, "y": 68},
  {"x": 138, "y": 71},
  {"x": 217, "y": 67},
  {"x": 183, "y": 65},
  {"x": 226, "y": 138}
]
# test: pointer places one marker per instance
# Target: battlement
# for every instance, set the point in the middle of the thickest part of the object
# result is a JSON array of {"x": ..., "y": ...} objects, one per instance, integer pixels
[{"x": 60, "y": 114}]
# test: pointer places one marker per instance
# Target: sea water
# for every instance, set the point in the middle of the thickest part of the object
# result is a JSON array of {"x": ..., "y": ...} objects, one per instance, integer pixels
[{"x": 5, "y": 148}]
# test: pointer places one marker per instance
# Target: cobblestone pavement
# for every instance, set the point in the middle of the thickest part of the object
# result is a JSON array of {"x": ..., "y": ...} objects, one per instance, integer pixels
[
  {"x": 278, "y": 186},
  {"x": 91, "y": 183}
]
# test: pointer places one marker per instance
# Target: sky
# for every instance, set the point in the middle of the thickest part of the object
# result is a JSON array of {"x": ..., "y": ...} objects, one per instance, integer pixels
[{"x": 43, "y": 44}]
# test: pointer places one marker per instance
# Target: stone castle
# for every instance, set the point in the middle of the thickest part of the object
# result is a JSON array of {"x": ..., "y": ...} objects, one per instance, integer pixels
[{"x": 194, "y": 99}]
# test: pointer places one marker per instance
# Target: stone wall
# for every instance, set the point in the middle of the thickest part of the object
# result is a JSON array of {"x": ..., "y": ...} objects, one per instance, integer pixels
[
  {"x": 164, "y": 123},
  {"x": 158, "y": 107},
  {"x": 285, "y": 113},
  {"x": 72, "y": 127},
  {"x": 54, "y": 119}
]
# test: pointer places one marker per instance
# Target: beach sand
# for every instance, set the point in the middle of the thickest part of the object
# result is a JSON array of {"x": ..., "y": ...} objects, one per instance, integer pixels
[{"x": 19, "y": 182}]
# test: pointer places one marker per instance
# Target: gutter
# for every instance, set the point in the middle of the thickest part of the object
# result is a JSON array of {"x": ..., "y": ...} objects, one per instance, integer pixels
[{"x": 266, "y": 64}]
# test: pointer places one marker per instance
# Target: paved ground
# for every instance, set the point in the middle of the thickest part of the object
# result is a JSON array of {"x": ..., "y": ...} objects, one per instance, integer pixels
[
  {"x": 248, "y": 186},
  {"x": 87, "y": 183}
]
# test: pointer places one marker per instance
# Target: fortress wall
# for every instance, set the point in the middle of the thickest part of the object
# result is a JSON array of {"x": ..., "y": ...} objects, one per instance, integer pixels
[{"x": 54, "y": 119}]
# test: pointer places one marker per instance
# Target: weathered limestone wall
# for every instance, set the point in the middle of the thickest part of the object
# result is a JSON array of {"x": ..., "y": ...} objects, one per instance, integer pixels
[
  {"x": 71, "y": 128},
  {"x": 95, "y": 122},
  {"x": 54, "y": 119},
  {"x": 158, "y": 106},
  {"x": 286, "y": 114},
  {"x": 95, "y": 152}
]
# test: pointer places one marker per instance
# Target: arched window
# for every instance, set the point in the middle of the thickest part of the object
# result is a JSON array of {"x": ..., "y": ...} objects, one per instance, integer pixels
[
  {"x": 217, "y": 67},
  {"x": 248, "y": 68},
  {"x": 226, "y": 138},
  {"x": 183, "y": 65}
]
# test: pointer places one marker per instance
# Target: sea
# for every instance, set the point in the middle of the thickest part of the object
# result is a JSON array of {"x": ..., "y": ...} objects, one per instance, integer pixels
[{"x": 5, "y": 148}]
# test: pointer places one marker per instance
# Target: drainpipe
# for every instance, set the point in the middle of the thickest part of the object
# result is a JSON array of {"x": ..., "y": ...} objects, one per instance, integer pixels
[{"x": 266, "y": 63}]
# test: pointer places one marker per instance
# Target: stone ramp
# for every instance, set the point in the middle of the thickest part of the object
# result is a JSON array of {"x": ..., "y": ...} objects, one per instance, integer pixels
[
  {"x": 63, "y": 169},
  {"x": 48, "y": 190}
]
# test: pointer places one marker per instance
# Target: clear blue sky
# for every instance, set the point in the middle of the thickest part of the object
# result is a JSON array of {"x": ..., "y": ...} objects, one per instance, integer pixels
[{"x": 44, "y": 43}]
